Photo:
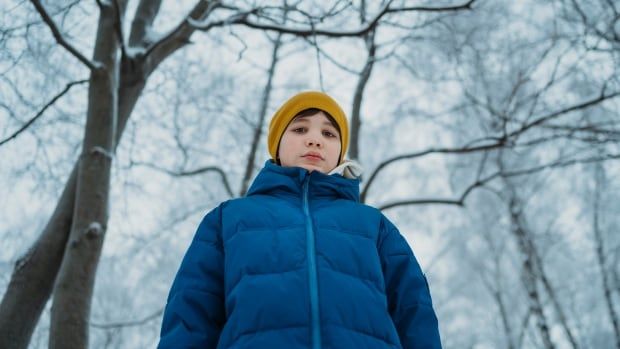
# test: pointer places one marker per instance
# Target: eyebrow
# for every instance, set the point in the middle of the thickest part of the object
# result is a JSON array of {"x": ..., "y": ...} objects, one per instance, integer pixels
[{"x": 305, "y": 118}]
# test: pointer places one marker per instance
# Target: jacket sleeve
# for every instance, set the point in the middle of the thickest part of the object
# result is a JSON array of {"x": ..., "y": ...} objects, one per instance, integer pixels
[
  {"x": 408, "y": 294},
  {"x": 194, "y": 314}
]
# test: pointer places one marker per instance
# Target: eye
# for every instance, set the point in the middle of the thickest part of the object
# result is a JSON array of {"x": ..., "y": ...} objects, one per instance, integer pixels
[
  {"x": 299, "y": 130},
  {"x": 329, "y": 134}
]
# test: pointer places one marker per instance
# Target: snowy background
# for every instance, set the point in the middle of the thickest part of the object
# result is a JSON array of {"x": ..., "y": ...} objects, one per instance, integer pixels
[{"x": 505, "y": 116}]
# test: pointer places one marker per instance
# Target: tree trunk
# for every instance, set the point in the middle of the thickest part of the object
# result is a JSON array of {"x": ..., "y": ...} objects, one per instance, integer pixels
[
  {"x": 552, "y": 295},
  {"x": 34, "y": 274},
  {"x": 76, "y": 278},
  {"x": 529, "y": 272},
  {"x": 601, "y": 258}
]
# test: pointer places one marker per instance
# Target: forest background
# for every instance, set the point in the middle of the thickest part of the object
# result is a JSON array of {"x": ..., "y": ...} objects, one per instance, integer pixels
[{"x": 488, "y": 129}]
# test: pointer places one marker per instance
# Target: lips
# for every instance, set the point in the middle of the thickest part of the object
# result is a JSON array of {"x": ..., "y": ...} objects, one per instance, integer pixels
[{"x": 313, "y": 156}]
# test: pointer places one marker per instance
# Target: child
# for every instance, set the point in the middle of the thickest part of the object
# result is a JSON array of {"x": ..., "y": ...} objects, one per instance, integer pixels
[{"x": 299, "y": 262}]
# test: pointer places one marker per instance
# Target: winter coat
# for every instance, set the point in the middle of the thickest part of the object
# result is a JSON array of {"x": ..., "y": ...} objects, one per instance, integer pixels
[{"x": 299, "y": 263}]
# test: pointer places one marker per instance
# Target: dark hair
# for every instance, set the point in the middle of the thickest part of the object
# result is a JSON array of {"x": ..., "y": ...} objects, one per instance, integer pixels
[{"x": 312, "y": 111}]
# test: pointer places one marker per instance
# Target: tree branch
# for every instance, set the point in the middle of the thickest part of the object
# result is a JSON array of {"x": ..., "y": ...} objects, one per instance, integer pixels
[
  {"x": 461, "y": 200},
  {"x": 118, "y": 26},
  {"x": 507, "y": 139},
  {"x": 462, "y": 150},
  {"x": 602, "y": 97},
  {"x": 243, "y": 19},
  {"x": 179, "y": 36},
  {"x": 60, "y": 39},
  {"x": 145, "y": 15},
  {"x": 40, "y": 112},
  {"x": 128, "y": 323},
  {"x": 190, "y": 173}
]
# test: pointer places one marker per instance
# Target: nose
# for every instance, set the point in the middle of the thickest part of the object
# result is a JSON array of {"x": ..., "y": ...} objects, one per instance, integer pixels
[{"x": 311, "y": 141}]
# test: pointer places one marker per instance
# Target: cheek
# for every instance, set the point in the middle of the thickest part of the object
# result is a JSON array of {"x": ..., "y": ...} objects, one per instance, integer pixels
[
  {"x": 336, "y": 152},
  {"x": 285, "y": 143}
]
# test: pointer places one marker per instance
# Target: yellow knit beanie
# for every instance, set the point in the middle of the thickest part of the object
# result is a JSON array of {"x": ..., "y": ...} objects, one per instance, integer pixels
[{"x": 300, "y": 102}]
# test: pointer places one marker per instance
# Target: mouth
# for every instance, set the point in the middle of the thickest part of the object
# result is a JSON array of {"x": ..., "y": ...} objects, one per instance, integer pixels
[{"x": 313, "y": 156}]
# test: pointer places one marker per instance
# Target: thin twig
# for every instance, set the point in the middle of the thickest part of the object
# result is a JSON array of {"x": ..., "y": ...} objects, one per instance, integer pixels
[
  {"x": 128, "y": 323},
  {"x": 40, "y": 112},
  {"x": 190, "y": 173},
  {"x": 60, "y": 39}
]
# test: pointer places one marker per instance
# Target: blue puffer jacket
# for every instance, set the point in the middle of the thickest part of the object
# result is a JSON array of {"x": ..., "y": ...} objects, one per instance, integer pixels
[{"x": 299, "y": 263}]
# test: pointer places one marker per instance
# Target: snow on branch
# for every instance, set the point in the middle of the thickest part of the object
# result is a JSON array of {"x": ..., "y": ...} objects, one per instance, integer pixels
[
  {"x": 94, "y": 230},
  {"x": 102, "y": 151}
]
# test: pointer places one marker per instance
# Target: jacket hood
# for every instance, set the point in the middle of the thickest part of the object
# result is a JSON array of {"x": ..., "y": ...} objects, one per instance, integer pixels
[
  {"x": 274, "y": 179},
  {"x": 348, "y": 169}
]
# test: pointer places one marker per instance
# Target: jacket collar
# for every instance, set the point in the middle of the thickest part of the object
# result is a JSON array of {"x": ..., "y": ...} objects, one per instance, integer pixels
[{"x": 274, "y": 179}]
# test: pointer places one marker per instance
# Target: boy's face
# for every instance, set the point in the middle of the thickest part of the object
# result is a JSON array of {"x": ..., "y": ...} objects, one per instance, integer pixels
[{"x": 311, "y": 142}]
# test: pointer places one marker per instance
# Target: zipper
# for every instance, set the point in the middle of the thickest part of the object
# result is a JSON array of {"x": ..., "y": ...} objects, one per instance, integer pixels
[{"x": 312, "y": 278}]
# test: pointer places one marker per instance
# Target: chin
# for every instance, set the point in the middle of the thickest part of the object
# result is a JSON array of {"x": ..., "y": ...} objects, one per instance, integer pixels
[{"x": 312, "y": 168}]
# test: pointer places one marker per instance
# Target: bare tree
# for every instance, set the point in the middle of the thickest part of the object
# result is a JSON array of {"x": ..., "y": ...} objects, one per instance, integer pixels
[
  {"x": 518, "y": 93},
  {"x": 64, "y": 259},
  {"x": 35, "y": 273},
  {"x": 510, "y": 107}
]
